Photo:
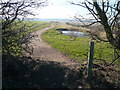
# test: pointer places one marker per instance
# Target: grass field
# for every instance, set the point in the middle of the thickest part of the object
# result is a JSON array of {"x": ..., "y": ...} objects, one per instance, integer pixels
[
  {"x": 77, "y": 49},
  {"x": 18, "y": 33},
  {"x": 36, "y": 25}
]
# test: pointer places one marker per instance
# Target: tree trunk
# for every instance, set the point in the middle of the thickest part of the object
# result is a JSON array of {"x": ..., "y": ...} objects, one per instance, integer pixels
[
  {"x": 104, "y": 21},
  {"x": 109, "y": 35}
]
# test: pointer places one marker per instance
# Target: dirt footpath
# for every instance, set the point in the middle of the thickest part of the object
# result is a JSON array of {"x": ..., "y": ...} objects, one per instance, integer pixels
[
  {"x": 44, "y": 51},
  {"x": 48, "y": 68}
]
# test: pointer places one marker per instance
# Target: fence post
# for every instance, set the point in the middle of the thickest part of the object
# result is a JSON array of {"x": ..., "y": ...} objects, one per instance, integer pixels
[{"x": 90, "y": 61}]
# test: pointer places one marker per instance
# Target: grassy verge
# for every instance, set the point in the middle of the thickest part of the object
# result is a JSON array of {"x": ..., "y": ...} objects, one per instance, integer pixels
[
  {"x": 79, "y": 48},
  {"x": 17, "y": 34},
  {"x": 35, "y": 25}
]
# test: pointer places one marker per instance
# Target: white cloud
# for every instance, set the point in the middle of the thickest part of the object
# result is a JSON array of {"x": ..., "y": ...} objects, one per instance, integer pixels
[
  {"x": 55, "y": 12},
  {"x": 59, "y": 9}
]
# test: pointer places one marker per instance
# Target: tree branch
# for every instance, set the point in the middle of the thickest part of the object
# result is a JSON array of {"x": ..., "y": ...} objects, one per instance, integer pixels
[
  {"x": 77, "y": 4},
  {"x": 106, "y": 62}
]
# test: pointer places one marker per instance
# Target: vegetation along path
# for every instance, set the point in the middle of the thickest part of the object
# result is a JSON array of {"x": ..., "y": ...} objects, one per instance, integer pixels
[
  {"x": 49, "y": 68},
  {"x": 44, "y": 51}
]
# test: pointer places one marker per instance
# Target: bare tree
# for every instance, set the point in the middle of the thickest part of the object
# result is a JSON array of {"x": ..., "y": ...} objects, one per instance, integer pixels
[
  {"x": 16, "y": 9},
  {"x": 107, "y": 14},
  {"x": 12, "y": 13}
]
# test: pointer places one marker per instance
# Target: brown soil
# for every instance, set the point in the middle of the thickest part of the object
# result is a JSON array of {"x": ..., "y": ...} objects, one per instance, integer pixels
[
  {"x": 49, "y": 68},
  {"x": 44, "y": 51}
]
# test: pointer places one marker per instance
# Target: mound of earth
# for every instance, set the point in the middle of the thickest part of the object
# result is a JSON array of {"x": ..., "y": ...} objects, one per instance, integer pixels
[
  {"x": 26, "y": 72},
  {"x": 46, "y": 67}
]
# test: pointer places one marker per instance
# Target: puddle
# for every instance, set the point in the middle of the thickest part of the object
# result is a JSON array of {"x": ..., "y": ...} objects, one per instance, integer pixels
[{"x": 74, "y": 33}]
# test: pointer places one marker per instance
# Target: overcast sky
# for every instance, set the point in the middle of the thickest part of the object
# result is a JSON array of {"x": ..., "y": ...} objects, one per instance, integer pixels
[{"x": 60, "y": 9}]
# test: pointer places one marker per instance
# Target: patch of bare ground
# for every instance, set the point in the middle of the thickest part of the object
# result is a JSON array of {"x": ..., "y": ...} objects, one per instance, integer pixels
[
  {"x": 44, "y": 51},
  {"x": 48, "y": 68},
  {"x": 26, "y": 72}
]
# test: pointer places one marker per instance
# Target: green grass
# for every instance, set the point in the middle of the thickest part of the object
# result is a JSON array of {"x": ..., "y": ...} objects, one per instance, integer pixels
[
  {"x": 35, "y": 25},
  {"x": 17, "y": 33},
  {"x": 77, "y": 49}
]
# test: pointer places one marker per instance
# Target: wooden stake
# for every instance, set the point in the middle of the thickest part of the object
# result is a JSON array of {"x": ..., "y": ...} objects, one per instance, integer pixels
[{"x": 90, "y": 60}]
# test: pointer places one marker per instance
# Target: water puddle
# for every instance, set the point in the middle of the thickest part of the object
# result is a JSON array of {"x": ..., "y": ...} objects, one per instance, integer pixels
[{"x": 74, "y": 33}]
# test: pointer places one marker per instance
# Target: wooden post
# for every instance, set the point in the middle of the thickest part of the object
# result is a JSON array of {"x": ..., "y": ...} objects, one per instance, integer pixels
[{"x": 90, "y": 60}]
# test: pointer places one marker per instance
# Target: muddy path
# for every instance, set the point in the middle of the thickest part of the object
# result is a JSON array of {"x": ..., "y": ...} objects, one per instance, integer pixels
[
  {"x": 44, "y": 51},
  {"x": 49, "y": 68}
]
